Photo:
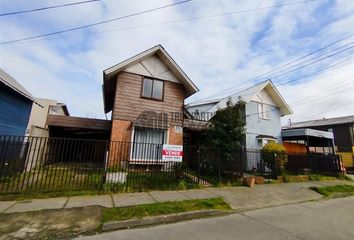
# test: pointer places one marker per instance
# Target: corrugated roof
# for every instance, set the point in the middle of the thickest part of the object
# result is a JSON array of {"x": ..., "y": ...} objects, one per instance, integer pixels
[
  {"x": 323, "y": 122},
  {"x": 306, "y": 132},
  {"x": 14, "y": 85}
]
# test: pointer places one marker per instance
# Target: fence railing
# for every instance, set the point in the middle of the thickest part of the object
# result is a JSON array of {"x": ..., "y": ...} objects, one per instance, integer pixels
[{"x": 38, "y": 164}]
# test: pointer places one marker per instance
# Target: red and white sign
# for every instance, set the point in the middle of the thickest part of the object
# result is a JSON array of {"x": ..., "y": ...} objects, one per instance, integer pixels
[{"x": 172, "y": 153}]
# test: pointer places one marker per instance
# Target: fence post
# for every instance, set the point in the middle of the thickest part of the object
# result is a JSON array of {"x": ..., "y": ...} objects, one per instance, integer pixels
[
  {"x": 243, "y": 164},
  {"x": 198, "y": 163},
  {"x": 219, "y": 167},
  {"x": 105, "y": 166},
  {"x": 275, "y": 172}
]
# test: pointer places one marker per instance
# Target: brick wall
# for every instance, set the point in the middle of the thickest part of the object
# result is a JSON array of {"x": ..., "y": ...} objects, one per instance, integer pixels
[
  {"x": 120, "y": 145},
  {"x": 175, "y": 135}
]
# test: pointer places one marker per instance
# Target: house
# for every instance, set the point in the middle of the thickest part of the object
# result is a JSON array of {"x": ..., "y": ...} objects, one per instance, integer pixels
[
  {"x": 343, "y": 132},
  {"x": 37, "y": 126},
  {"x": 145, "y": 95},
  {"x": 264, "y": 107},
  {"x": 15, "y": 104}
]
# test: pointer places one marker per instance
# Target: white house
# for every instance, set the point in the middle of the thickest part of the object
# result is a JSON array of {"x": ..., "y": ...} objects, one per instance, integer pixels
[{"x": 264, "y": 108}]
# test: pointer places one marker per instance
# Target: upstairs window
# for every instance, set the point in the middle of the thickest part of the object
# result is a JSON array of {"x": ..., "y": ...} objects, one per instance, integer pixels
[
  {"x": 152, "y": 88},
  {"x": 263, "y": 111}
]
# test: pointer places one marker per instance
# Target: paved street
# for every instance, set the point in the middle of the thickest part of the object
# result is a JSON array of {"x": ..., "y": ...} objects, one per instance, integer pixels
[{"x": 325, "y": 219}]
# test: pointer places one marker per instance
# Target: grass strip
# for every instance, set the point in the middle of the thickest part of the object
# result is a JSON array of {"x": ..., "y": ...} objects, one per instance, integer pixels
[
  {"x": 335, "y": 191},
  {"x": 139, "y": 211}
]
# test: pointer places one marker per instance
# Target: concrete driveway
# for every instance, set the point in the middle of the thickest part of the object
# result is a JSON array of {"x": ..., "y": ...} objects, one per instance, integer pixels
[{"x": 325, "y": 219}]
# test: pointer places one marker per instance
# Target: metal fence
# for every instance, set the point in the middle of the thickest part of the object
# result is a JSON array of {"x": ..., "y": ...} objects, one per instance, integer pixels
[{"x": 36, "y": 164}]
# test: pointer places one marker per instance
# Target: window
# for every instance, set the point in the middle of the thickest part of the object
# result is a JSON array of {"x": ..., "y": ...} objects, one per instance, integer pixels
[
  {"x": 263, "y": 111},
  {"x": 152, "y": 88},
  {"x": 261, "y": 142},
  {"x": 147, "y": 144}
]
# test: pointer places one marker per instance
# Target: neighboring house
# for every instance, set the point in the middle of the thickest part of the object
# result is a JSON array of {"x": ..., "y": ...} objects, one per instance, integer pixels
[
  {"x": 15, "y": 106},
  {"x": 37, "y": 126},
  {"x": 343, "y": 131},
  {"x": 264, "y": 108},
  {"x": 146, "y": 95}
]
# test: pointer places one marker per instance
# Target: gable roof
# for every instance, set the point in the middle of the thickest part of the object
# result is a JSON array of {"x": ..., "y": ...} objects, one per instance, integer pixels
[
  {"x": 247, "y": 95},
  {"x": 203, "y": 102},
  {"x": 323, "y": 122},
  {"x": 14, "y": 85},
  {"x": 111, "y": 72}
]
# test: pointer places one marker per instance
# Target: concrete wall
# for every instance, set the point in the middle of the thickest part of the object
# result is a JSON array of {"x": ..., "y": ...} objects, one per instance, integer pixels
[
  {"x": 14, "y": 112},
  {"x": 257, "y": 126},
  {"x": 39, "y": 113}
]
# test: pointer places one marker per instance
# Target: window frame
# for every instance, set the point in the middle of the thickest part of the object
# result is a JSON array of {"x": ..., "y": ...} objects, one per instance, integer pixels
[
  {"x": 262, "y": 114},
  {"x": 263, "y": 141},
  {"x": 134, "y": 144},
  {"x": 152, "y": 89}
]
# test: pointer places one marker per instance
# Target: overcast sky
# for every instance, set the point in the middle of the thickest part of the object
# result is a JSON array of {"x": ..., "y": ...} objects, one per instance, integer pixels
[{"x": 218, "y": 53}]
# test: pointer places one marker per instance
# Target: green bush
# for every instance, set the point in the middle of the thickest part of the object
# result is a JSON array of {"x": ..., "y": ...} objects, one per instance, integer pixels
[{"x": 275, "y": 157}]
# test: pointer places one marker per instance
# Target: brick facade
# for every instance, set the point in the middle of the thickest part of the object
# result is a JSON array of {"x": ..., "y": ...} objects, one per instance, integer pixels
[
  {"x": 120, "y": 142},
  {"x": 175, "y": 135}
]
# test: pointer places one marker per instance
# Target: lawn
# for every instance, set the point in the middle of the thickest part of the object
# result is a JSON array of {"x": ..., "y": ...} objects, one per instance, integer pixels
[
  {"x": 335, "y": 191},
  {"x": 60, "y": 181},
  {"x": 54, "y": 178},
  {"x": 139, "y": 211}
]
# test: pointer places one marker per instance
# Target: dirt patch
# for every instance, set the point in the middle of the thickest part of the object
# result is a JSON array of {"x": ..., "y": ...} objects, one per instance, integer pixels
[{"x": 49, "y": 224}]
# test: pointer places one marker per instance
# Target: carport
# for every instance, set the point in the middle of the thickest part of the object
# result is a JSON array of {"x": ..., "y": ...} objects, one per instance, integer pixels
[
  {"x": 314, "y": 141},
  {"x": 78, "y": 127}
]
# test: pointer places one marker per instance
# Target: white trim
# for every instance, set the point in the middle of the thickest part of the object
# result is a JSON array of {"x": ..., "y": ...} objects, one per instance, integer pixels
[
  {"x": 268, "y": 86},
  {"x": 168, "y": 136},
  {"x": 185, "y": 80}
]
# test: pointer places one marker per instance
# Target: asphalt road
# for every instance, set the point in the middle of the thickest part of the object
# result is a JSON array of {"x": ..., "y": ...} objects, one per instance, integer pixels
[{"x": 325, "y": 219}]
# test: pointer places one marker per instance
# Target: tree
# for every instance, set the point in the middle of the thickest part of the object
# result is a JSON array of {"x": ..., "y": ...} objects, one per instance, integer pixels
[{"x": 226, "y": 130}]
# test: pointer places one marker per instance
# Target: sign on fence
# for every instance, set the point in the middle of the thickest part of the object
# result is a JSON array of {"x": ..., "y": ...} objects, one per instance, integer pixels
[{"x": 172, "y": 153}]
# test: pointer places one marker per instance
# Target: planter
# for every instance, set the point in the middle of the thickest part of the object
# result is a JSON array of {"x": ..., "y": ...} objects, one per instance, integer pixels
[
  {"x": 280, "y": 178},
  {"x": 259, "y": 180},
  {"x": 250, "y": 181}
]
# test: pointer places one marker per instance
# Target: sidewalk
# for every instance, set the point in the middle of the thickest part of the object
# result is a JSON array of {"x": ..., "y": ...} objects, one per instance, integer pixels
[{"x": 239, "y": 198}]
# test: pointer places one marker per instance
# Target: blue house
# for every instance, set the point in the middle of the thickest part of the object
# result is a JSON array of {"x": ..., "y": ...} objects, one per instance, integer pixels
[
  {"x": 264, "y": 109},
  {"x": 15, "y": 106}
]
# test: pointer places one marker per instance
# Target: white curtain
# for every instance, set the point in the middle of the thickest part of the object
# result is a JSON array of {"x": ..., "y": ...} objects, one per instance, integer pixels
[{"x": 147, "y": 144}]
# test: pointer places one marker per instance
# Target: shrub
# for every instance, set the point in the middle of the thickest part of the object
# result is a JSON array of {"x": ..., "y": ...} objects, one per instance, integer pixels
[{"x": 275, "y": 157}]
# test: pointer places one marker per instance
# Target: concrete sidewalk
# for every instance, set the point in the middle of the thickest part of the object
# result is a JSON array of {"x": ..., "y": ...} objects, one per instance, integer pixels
[{"x": 239, "y": 198}]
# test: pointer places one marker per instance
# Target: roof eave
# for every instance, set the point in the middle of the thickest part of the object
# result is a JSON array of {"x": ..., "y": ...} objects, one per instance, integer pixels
[{"x": 110, "y": 72}]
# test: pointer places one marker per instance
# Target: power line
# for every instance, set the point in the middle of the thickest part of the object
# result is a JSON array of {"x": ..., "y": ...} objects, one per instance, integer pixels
[
  {"x": 282, "y": 74},
  {"x": 329, "y": 92},
  {"x": 309, "y": 60},
  {"x": 302, "y": 57},
  {"x": 97, "y": 23},
  {"x": 334, "y": 108},
  {"x": 346, "y": 49},
  {"x": 160, "y": 23},
  {"x": 46, "y": 8},
  {"x": 277, "y": 68},
  {"x": 317, "y": 72},
  {"x": 306, "y": 102}
]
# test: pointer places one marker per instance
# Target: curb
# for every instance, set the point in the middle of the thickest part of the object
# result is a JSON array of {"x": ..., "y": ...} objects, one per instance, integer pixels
[{"x": 162, "y": 219}]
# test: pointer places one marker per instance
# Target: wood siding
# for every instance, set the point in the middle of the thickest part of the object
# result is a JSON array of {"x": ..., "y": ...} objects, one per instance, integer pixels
[
  {"x": 128, "y": 104},
  {"x": 14, "y": 112},
  {"x": 78, "y": 122}
]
